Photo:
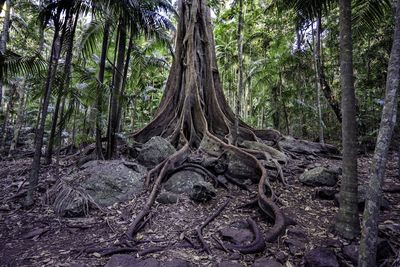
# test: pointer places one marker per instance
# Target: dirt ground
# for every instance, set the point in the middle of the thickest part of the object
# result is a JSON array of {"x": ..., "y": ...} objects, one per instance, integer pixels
[{"x": 37, "y": 237}]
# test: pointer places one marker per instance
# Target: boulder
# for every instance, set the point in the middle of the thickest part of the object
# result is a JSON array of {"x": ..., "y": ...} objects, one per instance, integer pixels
[
  {"x": 202, "y": 192},
  {"x": 155, "y": 151},
  {"x": 320, "y": 257},
  {"x": 166, "y": 197},
  {"x": 190, "y": 183},
  {"x": 319, "y": 176},
  {"x": 102, "y": 183},
  {"x": 264, "y": 262},
  {"x": 296, "y": 240},
  {"x": 183, "y": 182},
  {"x": 239, "y": 168}
]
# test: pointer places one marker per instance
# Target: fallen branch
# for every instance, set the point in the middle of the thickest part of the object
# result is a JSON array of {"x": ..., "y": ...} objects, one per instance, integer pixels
[{"x": 199, "y": 229}]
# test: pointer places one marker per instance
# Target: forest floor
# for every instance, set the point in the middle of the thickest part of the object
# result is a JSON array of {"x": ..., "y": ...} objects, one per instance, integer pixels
[{"x": 37, "y": 237}]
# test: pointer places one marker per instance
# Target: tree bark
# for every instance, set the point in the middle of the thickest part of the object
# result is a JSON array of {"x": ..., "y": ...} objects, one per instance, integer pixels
[
  {"x": 240, "y": 72},
  {"x": 369, "y": 240},
  {"x": 99, "y": 99},
  {"x": 347, "y": 224},
  {"x": 51, "y": 74},
  {"x": 4, "y": 39},
  {"x": 317, "y": 63},
  {"x": 116, "y": 91},
  {"x": 66, "y": 80},
  {"x": 7, "y": 115},
  {"x": 19, "y": 121}
]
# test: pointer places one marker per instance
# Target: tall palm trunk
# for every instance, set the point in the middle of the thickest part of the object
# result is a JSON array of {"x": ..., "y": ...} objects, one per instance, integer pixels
[
  {"x": 125, "y": 76},
  {"x": 368, "y": 245},
  {"x": 240, "y": 70},
  {"x": 18, "y": 123},
  {"x": 99, "y": 100},
  {"x": 51, "y": 74},
  {"x": 317, "y": 63},
  {"x": 4, "y": 39},
  {"x": 115, "y": 94},
  {"x": 347, "y": 224},
  {"x": 66, "y": 80}
]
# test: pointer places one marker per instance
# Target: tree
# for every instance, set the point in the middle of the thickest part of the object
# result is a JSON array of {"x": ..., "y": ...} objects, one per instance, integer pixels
[
  {"x": 347, "y": 223},
  {"x": 3, "y": 39},
  {"x": 369, "y": 240},
  {"x": 58, "y": 38},
  {"x": 194, "y": 116}
]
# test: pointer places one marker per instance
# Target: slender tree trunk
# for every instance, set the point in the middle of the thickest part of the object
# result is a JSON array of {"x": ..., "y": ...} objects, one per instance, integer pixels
[
  {"x": 51, "y": 74},
  {"x": 240, "y": 83},
  {"x": 66, "y": 78},
  {"x": 125, "y": 77},
  {"x": 348, "y": 224},
  {"x": 3, "y": 41},
  {"x": 99, "y": 100},
  {"x": 369, "y": 239},
  {"x": 19, "y": 121},
  {"x": 7, "y": 115},
  {"x": 116, "y": 90},
  {"x": 317, "y": 61}
]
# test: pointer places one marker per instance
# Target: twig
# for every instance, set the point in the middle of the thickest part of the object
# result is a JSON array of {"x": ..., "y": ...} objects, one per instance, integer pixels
[{"x": 199, "y": 229}]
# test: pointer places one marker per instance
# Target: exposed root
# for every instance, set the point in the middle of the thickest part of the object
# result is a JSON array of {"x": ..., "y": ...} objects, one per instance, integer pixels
[
  {"x": 175, "y": 160},
  {"x": 199, "y": 230},
  {"x": 201, "y": 170},
  {"x": 256, "y": 246}
]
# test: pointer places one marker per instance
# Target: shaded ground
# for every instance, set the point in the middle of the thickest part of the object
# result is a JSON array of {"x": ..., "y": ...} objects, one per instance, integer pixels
[{"x": 36, "y": 237}]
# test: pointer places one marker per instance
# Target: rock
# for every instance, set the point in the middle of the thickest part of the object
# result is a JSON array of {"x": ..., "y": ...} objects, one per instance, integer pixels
[
  {"x": 166, "y": 197},
  {"x": 325, "y": 194},
  {"x": 240, "y": 169},
  {"x": 319, "y": 176},
  {"x": 237, "y": 233},
  {"x": 307, "y": 147},
  {"x": 102, "y": 182},
  {"x": 122, "y": 260},
  {"x": 202, "y": 192},
  {"x": 177, "y": 263},
  {"x": 350, "y": 253},
  {"x": 229, "y": 264},
  {"x": 155, "y": 151},
  {"x": 264, "y": 262},
  {"x": 183, "y": 182},
  {"x": 320, "y": 257}
]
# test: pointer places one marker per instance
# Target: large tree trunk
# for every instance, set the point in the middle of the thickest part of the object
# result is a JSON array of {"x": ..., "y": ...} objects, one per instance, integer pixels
[
  {"x": 194, "y": 114},
  {"x": 8, "y": 115},
  {"x": 51, "y": 74},
  {"x": 368, "y": 245},
  {"x": 348, "y": 224},
  {"x": 116, "y": 91},
  {"x": 4, "y": 39}
]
